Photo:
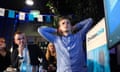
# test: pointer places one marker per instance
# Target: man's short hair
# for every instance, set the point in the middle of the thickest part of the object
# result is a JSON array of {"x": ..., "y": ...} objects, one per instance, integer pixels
[{"x": 18, "y": 32}]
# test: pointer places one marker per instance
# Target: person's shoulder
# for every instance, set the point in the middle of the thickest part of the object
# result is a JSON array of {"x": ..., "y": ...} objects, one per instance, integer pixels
[
  {"x": 8, "y": 51},
  {"x": 33, "y": 45}
]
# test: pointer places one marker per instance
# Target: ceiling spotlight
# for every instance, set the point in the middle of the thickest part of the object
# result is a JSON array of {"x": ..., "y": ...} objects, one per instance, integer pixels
[{"x": 29, "y": 2}]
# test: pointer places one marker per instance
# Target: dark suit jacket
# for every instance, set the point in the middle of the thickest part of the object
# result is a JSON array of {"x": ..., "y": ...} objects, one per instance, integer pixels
[
  {"x": 5, "y": 61},
  {"x": 34, "y": 52}
]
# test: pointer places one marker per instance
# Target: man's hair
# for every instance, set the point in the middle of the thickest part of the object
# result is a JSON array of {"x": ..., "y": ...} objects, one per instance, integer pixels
[
  {"x": 61, "y": 18},
  {"x": 18, "y": 32}
]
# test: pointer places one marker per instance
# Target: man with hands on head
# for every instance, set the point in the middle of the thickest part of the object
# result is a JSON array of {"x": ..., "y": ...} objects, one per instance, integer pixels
[{"x": 69, "y": 46}]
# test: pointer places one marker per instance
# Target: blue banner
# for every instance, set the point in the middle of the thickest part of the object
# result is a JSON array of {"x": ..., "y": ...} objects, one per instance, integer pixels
[
  {"x": 98, "y": 59},
  {"x": 30, "y": 17},
  {"x": 48, "y": 18},
  {"x": 11, "y": 14}
]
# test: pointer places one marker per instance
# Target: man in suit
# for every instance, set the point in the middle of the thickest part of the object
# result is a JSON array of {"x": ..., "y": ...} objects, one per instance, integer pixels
[{"x": 28, "y": 54}]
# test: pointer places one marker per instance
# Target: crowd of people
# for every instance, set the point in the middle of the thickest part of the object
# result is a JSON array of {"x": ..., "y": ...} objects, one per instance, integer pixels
[{"x": 65, "y": 52}]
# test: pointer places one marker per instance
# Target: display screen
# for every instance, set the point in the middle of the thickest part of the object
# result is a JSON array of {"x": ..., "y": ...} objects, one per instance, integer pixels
[
  {"x": 112, "y": 17},
  {"x": 97, "y": 50}
]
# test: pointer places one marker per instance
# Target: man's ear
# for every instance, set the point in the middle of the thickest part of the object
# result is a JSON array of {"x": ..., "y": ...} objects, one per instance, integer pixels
[
  {"x": 59, "y": 32},
  {"x": 14, "y": 41}
]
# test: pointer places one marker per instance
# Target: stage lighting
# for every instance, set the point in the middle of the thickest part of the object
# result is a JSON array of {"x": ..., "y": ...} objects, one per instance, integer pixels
[{"x": 29, "y": 2}]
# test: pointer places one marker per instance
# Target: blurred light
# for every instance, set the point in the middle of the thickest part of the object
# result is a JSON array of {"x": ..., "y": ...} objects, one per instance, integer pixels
[
  {"x": 35, "y": 13},
  {"x": 29, "y": 2}
]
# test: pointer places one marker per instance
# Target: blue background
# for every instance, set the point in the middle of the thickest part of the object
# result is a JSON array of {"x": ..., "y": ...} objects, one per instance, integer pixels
[{"x": 112, "y": 16}]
